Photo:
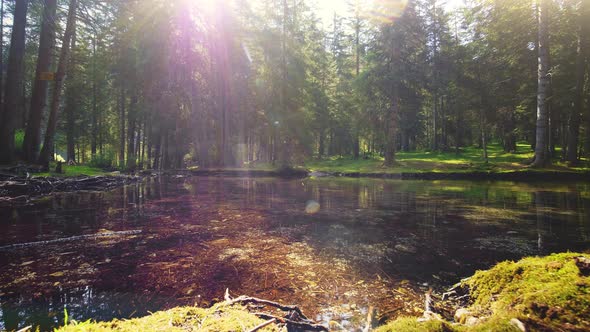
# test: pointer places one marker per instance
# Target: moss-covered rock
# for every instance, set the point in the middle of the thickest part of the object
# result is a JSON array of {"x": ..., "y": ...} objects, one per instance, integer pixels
[{"x": 217, "y": 318}]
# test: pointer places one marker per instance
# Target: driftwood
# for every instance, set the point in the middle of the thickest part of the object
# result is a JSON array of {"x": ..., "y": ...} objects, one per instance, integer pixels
[{"x": 294, "y": 316}]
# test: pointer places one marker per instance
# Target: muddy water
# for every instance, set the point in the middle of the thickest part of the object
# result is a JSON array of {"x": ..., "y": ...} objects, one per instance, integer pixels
[{"x": 336, "y": 247}]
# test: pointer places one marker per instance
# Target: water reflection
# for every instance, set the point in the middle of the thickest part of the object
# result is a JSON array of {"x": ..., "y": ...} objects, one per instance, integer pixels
[{"x": 365, "y": 238}]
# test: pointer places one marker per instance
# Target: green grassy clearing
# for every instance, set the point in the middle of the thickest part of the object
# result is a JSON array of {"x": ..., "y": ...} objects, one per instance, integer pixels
[
  {"x": 467, "y": 160},
  {"x": 73, "y": 171}
]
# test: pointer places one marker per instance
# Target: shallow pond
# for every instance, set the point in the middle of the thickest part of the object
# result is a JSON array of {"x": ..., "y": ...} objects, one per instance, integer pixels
[{"x": 337, "y": 247}]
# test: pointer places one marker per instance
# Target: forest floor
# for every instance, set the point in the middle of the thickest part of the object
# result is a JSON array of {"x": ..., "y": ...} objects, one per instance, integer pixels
[
  {"x": 468, "y": 160},
  {"x": 417, "y": 164},
  {"x": 536, "y": 293}
]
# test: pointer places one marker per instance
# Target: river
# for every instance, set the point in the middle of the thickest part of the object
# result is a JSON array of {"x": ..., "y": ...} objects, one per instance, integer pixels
[{"x": 337, "y": 247}]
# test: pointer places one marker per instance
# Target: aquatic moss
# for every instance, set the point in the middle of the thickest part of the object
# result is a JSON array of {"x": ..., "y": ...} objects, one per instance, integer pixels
[{"x": 217, "y": 318}]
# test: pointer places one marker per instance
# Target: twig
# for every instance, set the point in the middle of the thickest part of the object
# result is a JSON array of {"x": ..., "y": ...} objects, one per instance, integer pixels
[
  {"x": 258, "y": 327},
  {"x": 303, "y": 325},
  {"x": 369, "y": 319},
  {"x": 247, "y": 299},
  {"x": 26, "y": 328}
]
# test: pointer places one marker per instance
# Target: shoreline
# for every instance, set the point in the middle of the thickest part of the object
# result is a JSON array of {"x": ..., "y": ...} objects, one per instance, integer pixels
[{"x": 521, "y": 176}]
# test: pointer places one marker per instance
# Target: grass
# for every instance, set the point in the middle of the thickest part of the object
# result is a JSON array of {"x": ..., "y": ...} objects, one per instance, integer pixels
[
  {"x": 467, "y": 160},
  {"x": 77, "y": 170}
]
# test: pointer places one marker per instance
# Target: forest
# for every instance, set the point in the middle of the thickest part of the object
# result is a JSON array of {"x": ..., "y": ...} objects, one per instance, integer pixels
[
  {"x": 295, "y": 165},
  {"x": 172, "y": 84}
]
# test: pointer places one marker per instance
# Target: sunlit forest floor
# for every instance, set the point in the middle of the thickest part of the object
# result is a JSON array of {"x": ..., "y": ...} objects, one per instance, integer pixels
[{"x": 467, "y": 160}]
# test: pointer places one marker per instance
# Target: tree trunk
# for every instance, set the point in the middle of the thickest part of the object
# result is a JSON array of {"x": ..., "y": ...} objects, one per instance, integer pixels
[
  {"x": 391, "y": 129},
  {"x": 390, "y": 142},
  {"x": 14, "y": 80},
  {"x": 1, "y": 55},
  {"x": 131, "y": 119},
  {"x": 574, "y": 126},
  {"x": 46, "y": 151},
  {"x": 541, "y": 148},
  {"x": 71, "y": 105},
  {"x": 94, "y": 117},
  {"x": 357, "y": 31},
  {"x": 122, "y": 128},
  {"x": 282, "y": 141},
  {"x": 39, "y": 97}
]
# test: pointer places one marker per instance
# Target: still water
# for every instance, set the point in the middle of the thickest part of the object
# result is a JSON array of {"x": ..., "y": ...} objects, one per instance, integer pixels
[{"x": 337, "y": 247}]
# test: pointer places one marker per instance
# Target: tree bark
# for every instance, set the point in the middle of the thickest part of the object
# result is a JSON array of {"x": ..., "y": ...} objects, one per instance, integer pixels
[
  {"x": 131, "y": 119},
  {"x": 71, "y": 104},
  {"x": 39, "y": 97},
  {"x": 575, "y": 119},
  {"x": 357, "y": 32},
  {"x": 15, "y": 82},
  {"x": 94, "y": 117},
  {"x": 60, "y": 75},
  {"x": 282, "y": 141},
  {"x": 122, "y": 128},
  {"x": 391, "y": 128},
  {"x": 1, "y": 56},
  {"x": 541, "y": 148}
]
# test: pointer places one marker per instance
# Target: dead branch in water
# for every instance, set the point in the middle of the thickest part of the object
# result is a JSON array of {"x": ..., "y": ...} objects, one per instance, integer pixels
[
  {"x": 302, "y": 325},
  {"x": 294, "y": 316},
  {"x": 258, "y": 327}
]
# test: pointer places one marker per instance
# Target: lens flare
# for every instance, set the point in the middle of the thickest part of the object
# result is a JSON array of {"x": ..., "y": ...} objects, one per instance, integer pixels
[
  {"x": 312, "y": 207},
  {"x": 387, "y": 11}
]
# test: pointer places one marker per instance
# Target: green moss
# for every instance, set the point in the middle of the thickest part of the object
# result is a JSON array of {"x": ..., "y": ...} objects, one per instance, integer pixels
[
  {"x": 217, "y": 318},
  {"x": 73, "y": 171},
  {"x": 411, "y": 324},
  {"x": 546, "y": 291}
]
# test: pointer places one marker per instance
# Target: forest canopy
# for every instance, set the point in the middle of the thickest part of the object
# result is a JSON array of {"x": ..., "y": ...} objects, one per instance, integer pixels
[{"x": 175, "y": 83}]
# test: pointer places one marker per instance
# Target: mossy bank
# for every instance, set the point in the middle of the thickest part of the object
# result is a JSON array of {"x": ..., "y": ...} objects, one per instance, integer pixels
[{"x": 549, "y": 293}]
